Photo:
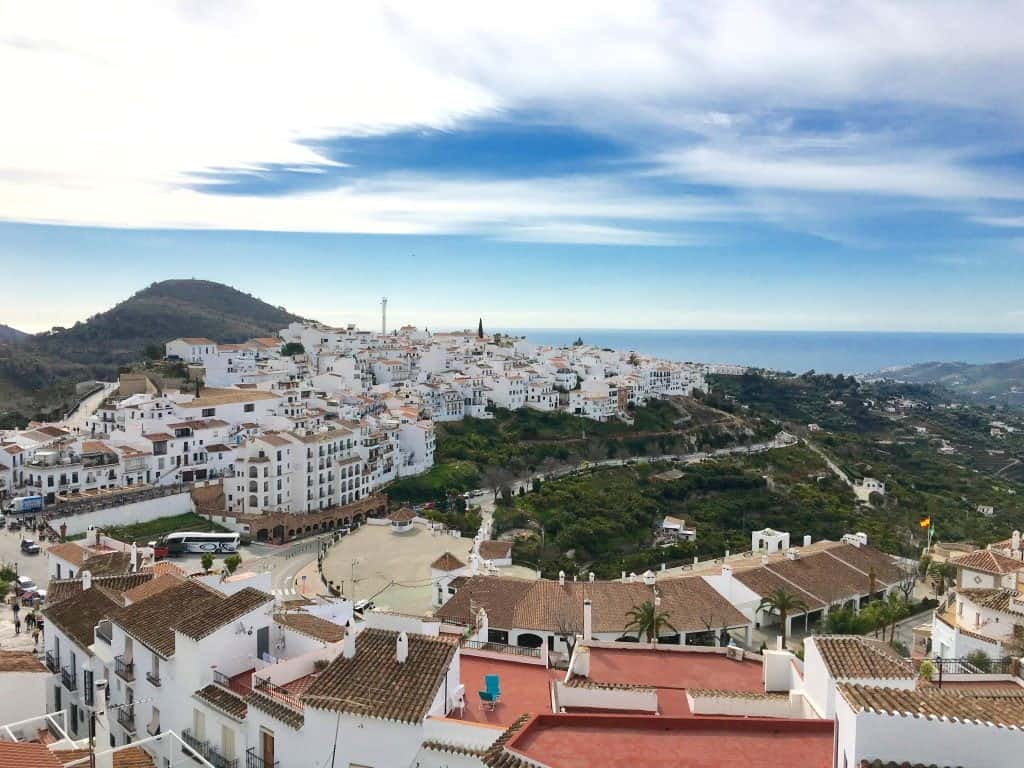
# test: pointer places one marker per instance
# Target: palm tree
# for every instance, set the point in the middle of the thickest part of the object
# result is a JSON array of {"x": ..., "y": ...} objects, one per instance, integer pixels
[
  {"x": 783, "y": 603},
  {"x": 647, "y": 621}
]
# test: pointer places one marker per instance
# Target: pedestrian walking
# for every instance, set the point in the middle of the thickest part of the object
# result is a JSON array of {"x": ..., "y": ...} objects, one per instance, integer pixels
[
  {"x": 17, "y": 626},
  {"x": 35, "y": 640}
]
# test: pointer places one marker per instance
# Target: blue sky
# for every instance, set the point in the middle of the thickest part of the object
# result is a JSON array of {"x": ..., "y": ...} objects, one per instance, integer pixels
[{"x": 731, "y": 165}]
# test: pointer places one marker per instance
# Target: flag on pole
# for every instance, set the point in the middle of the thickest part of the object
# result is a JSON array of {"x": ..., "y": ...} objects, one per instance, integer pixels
[{"x": 925, "y": 523}]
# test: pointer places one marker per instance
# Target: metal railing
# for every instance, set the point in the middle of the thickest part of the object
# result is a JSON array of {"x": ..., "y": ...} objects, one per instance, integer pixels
[
  {"x": 512, "y": 650},
  {"x": 52, "y": 662},
  {"x": 277, "y": 693},
  {"x": 124, "y": 669},
  {"x": 207, "y": 751},
  {"x": 252, "y": 760},
  {"x": 153, "y": 678},
  {"x": 69, "y": 679},
  {"x": 221, "y": 679},
  {"x": 126, "y": 718},
  {"x": 970, "y": 666}
]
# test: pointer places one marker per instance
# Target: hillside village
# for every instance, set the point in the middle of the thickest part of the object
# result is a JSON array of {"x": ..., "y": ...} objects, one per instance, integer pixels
[{"x": 292, "y": 442}]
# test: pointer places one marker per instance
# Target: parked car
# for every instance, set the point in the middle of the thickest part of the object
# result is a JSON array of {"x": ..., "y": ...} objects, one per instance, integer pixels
[
  {"x": 34, "y": 597},
  {"x": 29, "y": 547},
  {"x": 24, "y": 584},
  {"x": 14, "y": 525}
]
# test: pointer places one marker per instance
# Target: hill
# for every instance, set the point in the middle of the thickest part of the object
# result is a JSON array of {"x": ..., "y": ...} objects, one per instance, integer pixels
[
  {"x": 991, "y": 383},
  {"x": 11, "y": 335},
  {"x": 37, "y": 373}
]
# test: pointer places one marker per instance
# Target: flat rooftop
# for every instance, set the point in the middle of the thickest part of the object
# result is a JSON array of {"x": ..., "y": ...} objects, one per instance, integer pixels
[
  {"x": 524, "y": 688},
  {"x": 624, "y": 741},
  {"x": 673, "y": 672}
]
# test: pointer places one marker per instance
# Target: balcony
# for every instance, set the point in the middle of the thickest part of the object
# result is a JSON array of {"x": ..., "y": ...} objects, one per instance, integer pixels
[
  {"x": 252, "y": 760},
  {"x": 69, "y": 679},
  {"x": 153, "y": 678},
  {"x": 124, "y": 669},
  {"x": 126, "y": 718},
  {"x": 207, "y": 751},
  {"x": 52, "y": 662}
]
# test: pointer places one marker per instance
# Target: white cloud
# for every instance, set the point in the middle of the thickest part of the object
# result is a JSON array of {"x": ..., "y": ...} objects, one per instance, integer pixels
[{"x": 112, "y": 108}]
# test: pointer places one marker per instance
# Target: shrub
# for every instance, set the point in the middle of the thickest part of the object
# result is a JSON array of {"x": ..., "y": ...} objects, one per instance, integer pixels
[
  {"x": 231, "y": 562},
  {"x": 207, "y": 561}
]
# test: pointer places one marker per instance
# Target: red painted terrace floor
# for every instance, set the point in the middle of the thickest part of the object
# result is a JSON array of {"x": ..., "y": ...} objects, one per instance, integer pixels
[
  {"x": 582, "y": 741},
  {"x": 524, "y": 688},
  {"x": 673, "y": 672}
]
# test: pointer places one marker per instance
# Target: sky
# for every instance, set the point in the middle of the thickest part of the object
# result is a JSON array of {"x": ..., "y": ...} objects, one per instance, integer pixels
[{"x": 723, "y": 165}]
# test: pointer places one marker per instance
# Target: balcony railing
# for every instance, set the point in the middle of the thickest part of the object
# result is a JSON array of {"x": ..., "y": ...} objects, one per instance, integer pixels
[
  {"x": 124, "y": 669},
  {"x": 221, "y": 679},
  {"x": 52, "y": 662},
  {"x": 153, "y": 678},
  {"x": 512, "y": 650},
  {"x": 277, "y": 693},
  {"x": 252, "y": 760},
  {"x": 972, "y": 666},
  {"x": 69, "y": 679},
  {"x": 207, "y": 751},
  {"x": 126, "y": 718}
]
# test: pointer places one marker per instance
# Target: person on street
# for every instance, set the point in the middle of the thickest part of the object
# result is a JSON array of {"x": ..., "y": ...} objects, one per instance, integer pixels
[{"x": 17, "y": 626}]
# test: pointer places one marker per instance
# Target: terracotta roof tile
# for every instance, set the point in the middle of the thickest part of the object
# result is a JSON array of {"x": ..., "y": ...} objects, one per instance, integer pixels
[
  {"x": 497, "y": 757},
  {"x": 862, "y": 658},
  {"x": 375, "y": 684},
  {"x": 77, "y": 618},
  {"x": 447, "y": 562},
  {"x": 215, "y": 615},
  {"x": 20, "y": 661},
  {"x": 152, "y": 587},
  {"x": 996, "y": 599},
  {"x": 986, "y": 561},
  {"x": 933, "y": 702},
  {"x": 314, "y": 626},
  {"x": 60, "y": 590},
  {"x": 27, "y": 755},
  {"x": 223, "y": 700},
  {"x": 152, "y": 621},
  {"x": 495, "y": 550},
  {"x": 403, "y": 515}
]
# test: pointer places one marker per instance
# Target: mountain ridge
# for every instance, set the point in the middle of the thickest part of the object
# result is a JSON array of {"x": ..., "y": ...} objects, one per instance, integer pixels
[{"x": 38, "y": 372}]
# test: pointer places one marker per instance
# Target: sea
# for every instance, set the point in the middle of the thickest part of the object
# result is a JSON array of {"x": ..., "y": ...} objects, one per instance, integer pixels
[{"x": 846, "y": 352}]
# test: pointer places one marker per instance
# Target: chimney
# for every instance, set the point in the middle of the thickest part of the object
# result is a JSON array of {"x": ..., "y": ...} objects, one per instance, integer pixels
[
  {"x": 649, "y": 578},
  {"x": 104, "y": 755},
  {"x": 1015, "y": 545},
  {"x": 561, "y": 578},
  {"x": 348, "y": 644},
  {"x": 807, "y": 540},
  {"x": 134, "y": 557},
  {"x": 402, "y": 648},
  {"x": 591, "y": 577},
  {"x": 588, "y": 621},
  {"x": 623, "y": 577},
  {"x": 86, "y": 580},
  {"x": 97, "y": 530}
]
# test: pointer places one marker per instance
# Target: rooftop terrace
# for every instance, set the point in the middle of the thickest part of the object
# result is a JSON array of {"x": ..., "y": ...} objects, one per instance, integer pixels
[{"x": 621, "y": 741}]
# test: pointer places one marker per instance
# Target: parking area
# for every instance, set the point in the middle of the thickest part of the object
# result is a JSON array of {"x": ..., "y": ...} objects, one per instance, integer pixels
[{"x": 391, "y": 568}]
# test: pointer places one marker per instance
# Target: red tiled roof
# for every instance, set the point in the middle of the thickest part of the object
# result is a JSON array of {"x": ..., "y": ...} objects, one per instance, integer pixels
[
  {"x": 27, "y": 755},
  {"x": 986, "y": 561}
]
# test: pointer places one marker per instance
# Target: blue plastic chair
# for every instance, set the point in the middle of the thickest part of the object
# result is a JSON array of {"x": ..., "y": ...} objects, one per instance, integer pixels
[{"x": 489, "y": 698}]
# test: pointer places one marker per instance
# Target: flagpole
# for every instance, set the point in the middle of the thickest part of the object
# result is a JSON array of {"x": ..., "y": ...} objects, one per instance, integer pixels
[{"x": 931, "y": 525}]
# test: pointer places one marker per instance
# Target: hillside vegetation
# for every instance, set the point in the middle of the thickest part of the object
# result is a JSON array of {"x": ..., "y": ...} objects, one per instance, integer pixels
[
  {"x": 995, "y": 383},
  {"x": 37, "y": 373}
]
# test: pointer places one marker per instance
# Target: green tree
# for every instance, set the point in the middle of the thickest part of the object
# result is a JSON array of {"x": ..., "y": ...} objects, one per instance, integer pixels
[
  {"x": 480, "y": 329},
  {"x": 231, "y": 562},
  {"x": 782, "y": 603},
  {"x": 647, "y": 621},
  {"x": 154, "y": 352},
  {"x": 207, "y": 561},
  {"x": 980, "y": 660},
  {"x": 292, "y": 348}
]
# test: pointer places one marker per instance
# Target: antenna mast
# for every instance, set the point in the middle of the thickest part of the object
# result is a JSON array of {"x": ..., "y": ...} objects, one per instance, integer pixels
[{"x": 384, "y": 316}]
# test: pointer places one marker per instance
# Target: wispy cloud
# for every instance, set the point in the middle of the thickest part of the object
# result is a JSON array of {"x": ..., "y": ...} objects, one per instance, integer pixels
[{"x": 545, "y": 122}]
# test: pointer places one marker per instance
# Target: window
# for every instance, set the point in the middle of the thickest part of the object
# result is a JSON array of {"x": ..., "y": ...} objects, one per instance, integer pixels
[
  {"x": 227, "y": 742},
  {"x": 249, "y": 407},
  {"x": 208, "y": 412}
]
